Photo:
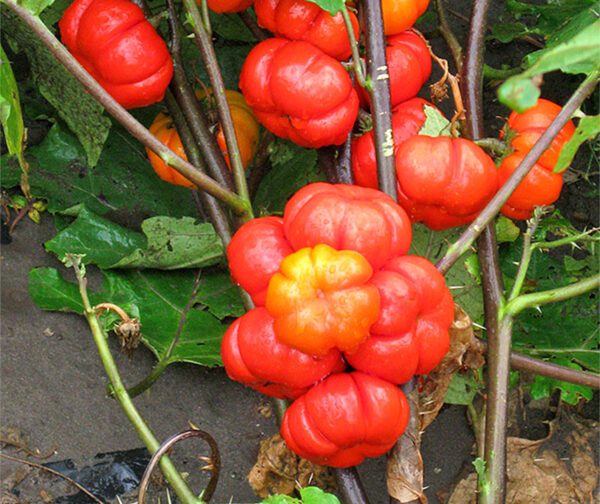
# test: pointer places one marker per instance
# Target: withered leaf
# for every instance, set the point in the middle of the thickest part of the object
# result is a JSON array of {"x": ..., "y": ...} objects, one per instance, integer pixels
[
  {"x": 405, "y": 464},
  {"x": 465, "y": 353},
  {"x": 278, "y": 470}
]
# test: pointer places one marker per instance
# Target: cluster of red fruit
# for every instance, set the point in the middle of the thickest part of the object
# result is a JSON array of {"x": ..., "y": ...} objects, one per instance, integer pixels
[
  {"x": 333, "y": 288},
  {"x": 299, "y": 91}
]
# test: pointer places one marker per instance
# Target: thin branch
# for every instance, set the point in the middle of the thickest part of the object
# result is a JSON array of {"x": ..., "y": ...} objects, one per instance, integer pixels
[
  {"x": 217, "y": 215},
  {"x": 499, "y": 331},
  {"x": 448, "y": 35},
  {"x": 568, "y": 240},
  {"x": 536, "y": 299},
  {"x": 380, "y": 98},
  {"x": 134, "y": 127},
  {"x": 498, "y": 377},
  {"x": 357, "y": 62},
  {"x": 463, "y": 244},
  {"x": 344, "y": 162},
  {"x": 350, "y": 486},
  {"x": 523, "y": 362},
  {"x": 250, "y": 23},
  {"x": 55, "y": 473},
  {"x": 532, "y": 225},
  {"x": 164, "y": 359},
  {"x": 207, "y": 51},
  {"x": 213, "y": 463},
  {"x": 192, "y": 110},
  {"x": 171, "y": 474}
]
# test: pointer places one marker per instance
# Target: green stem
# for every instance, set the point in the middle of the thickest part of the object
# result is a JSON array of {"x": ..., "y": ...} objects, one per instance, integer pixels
[
  {"x": 493, "y": 146},
  {"x": 145, "y": 434},
  {"x": 449, "y": 37},
  {"x": 207, "y": 51},
  {"x": 356, "y": 61},
  {"x": 206, "y": 17},
  {"x": 536, "y": 299},
  {"x": 532, "y": 225},
  {"x": 499, "y": 73},
  {"x": 239, "y": 205},
  {"x": 567, "y": 240}
]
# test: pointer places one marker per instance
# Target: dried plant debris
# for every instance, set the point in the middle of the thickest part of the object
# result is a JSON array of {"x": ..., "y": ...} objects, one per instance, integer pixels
[
  {"x": 560, "y": 469},
  {"x": 13, "y": 437},
  {"x": 465, "y": 353},
  {"x": 280, "y": 471},
  {"x": 405, "y": 464}
]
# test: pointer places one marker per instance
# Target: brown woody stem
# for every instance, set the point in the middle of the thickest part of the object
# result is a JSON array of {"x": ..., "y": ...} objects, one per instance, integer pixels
[
  {"x": 207, "y": 51},
  {"x": 191, "y": 109},
  {"x": 380, "y": 98},
  {"x": 448, "y": 35}
]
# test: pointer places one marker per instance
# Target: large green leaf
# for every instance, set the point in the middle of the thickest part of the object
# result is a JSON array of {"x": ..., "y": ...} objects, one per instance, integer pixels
[
  {"x": 10, "y": 110},
  {"x": 293, "y": 168},
  {"x": 542, "y": 19},
  {"x": 571, "y": 393},
  {"x": 578, "y": 54},
  {"x": 36, "y": 6},
  {"x": 587, "y": 129},
  {"x": 122, "y": 180},
  {"x": 103, "y": 242},
  {"x": 169, "y": 243},
  {"x": 462, "y": 279},
  {"x": 568, "y": 329},
  {"x": 82, "y": 113},
  {"x": 163, "y": 301}
]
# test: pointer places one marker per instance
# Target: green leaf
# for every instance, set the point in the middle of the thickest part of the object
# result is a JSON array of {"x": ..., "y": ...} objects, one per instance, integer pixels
[
  {"x": 435, "y": 123},
  {"x": 507, "y": 32},
  {"x": 568, "y": 25},
  {"x": 463, "y": 286},
  {"x": 331, "y": 6},
  {"x": 314, "y": 495},
  {"x": 587, "y": 129},
  {"x": 570, "y": 393},
  {"x": 158, "y": 298},
  {"x": 293, "y": 168},
  {"x": 568, "y": 329},
  {"x": 169, "y": 243},
  {"x": 175, "y": 243},
  {"x": 122, "y": 180},
  {"x": 482, "y": 478},
  {"x": 281, "y": 499},
  {"x": 82, "y": 113},
  {"x": 103, "y": 242},
  {"x": 578, "y": 54},
  {"x": 462, "y": 389},
  {"x": 506, "y": 230},
  {"x": 309, "y": 495},
  {"x": 10, "y": 110},
  {"x": 219, "y": 295},
  {"x": 544, "y": 18},
  {"x": 519, "y": 93},
  {"x": 53, "y": 13},
  {"x": 230, "y": 27},
  {"x": 35, "y": 6}
]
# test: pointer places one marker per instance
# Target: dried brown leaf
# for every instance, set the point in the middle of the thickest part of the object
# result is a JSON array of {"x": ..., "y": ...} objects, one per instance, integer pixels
[
  {"x": 405, "y": 464},
  {"x": 537, "y": 473},
  {"x": 279, "y": 471},
  {"x": 465, "y": 353}
]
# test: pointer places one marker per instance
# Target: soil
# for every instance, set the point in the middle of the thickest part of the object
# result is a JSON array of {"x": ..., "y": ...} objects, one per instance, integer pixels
[{"x": 53, "y": 384}]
